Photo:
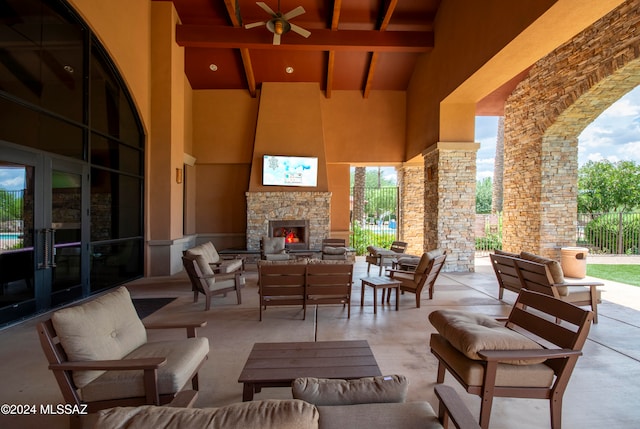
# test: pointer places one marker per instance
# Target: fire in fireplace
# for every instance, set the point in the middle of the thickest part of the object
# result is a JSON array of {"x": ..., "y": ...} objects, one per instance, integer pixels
[{"x": 295, "y": 232}]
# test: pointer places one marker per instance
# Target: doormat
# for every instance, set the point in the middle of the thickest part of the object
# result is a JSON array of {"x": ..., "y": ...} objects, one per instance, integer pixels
[{"x": 147, "y": 306}]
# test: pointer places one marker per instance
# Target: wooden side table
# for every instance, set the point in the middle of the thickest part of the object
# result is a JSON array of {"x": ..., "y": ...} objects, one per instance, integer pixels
[{"x": 383, "y": 283}]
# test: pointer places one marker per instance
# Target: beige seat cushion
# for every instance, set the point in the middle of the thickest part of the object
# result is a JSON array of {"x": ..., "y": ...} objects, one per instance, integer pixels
[
  {"x": 330, "y": 250},
  {"x": 229, "y": 265},
  {"x": 184, "y": 357},
  {"x": 472, "y": 371},
  {"x": 368, "y": 390},
  {"x": 105, "y": 328},
  {"x": 471, "y": 332},
  {"x": 410, "y": 415},
  {"x": 268, "y": 414}
]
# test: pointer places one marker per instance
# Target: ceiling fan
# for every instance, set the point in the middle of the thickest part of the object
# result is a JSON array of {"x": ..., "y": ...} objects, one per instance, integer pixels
[{"x": 279, "y": 23}]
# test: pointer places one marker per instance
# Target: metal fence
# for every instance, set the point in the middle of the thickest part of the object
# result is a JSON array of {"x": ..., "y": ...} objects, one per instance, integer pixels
[
  {"x": 11, "y": 207},
  {"x": 374, "y": 217},
  {"x": 611, "y": 233},
  {"x": 602, "y": 233}
]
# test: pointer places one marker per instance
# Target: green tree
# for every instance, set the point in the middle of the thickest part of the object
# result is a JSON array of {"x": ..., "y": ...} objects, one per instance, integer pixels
[
  {"x": 484, "y": 191},
  {"x": 604, "y": 186},
  {"x": 10, "y": 205}
]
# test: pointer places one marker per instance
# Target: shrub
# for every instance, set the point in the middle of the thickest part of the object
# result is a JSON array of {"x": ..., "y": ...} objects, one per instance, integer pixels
[
  {"x": 363, "y": 237},
  {"x": 489, "y": 242}
]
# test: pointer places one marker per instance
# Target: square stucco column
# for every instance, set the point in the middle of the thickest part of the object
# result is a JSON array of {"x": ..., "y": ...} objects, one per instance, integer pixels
[
  {"x": 411, "y": 185},
  {"x": 450, "y": 202}
]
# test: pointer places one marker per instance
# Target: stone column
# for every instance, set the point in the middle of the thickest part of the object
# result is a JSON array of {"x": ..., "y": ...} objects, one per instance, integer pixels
[
  {"x": 411, "y": 216},
  {"x": 450, "y": 203}
]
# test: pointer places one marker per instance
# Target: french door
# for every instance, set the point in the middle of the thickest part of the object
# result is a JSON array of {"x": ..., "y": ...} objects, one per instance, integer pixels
[{"x": 44, "y": 228}]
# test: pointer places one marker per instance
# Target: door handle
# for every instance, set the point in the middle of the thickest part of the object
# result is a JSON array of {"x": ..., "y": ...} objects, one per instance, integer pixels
[
  {"x": 48, "y": 242},
  {"x": 44, "y": 240},
  {"x": 52, "y": 248}
]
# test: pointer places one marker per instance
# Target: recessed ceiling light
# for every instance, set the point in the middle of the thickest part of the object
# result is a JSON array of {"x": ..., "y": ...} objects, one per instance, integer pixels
[
  {"x": 68, "y": 69},
  {"x": 289, "y": 70},
  {"x": 213, "y": 67}
]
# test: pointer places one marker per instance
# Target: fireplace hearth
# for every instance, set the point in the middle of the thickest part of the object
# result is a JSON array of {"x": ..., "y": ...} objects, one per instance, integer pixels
[{"x": 295, "y": 232}]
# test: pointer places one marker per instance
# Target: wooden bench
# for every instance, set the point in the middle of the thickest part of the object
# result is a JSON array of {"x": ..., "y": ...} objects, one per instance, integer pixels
[
  {"x": 516, "y": 273},
  {"x": 302, "y": 283}
]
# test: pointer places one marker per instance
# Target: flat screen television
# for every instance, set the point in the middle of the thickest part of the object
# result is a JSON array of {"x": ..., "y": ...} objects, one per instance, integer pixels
[{"x": 278, "y": 170}]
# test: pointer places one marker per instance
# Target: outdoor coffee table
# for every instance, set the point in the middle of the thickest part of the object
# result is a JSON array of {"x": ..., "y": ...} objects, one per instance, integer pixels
[
  {"x": 278, "y": 364},
  {"x": 383, "y": 283}
]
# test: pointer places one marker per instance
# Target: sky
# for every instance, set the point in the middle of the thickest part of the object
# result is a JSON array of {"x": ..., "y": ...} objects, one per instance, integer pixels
[{"x": 614, "y": 135}]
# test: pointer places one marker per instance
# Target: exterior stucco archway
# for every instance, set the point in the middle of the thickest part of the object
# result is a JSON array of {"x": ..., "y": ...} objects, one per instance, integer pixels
[{"x": 563, "y": 93}]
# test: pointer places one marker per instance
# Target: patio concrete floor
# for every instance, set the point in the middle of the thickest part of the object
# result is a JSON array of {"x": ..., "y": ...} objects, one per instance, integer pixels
[{"x": 602, "y": 392}]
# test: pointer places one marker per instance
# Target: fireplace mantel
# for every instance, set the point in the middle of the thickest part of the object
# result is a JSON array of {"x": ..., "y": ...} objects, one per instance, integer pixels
[{"x": 313, "y": 207}]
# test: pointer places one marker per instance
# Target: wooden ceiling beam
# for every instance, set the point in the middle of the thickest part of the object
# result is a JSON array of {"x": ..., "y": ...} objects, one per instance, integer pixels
[
  {"x": 244, "y": 52},
  {"x": 335, "y": 19},
  {"x": 391, "y": 7},
  {"x": 203, "y": 36}
]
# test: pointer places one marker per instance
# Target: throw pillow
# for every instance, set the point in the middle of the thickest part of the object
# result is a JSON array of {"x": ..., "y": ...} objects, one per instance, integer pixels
[{"x": 368, "y": 390}]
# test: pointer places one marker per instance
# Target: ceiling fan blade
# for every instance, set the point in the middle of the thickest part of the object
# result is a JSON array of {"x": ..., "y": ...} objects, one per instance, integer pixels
[
  {"x": 301, "y": 31},
  {"x": 266, "y": 8},
  {"x": 294, "y": 12},
  {"x": 255, "y": 24},
  {"x": 276, "y": 39}
]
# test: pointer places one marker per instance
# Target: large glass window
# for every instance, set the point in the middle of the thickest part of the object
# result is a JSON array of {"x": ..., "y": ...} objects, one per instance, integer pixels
[
  {"x": 41, "y": 58},
  {"x": 62, "y": 95},
  {"x": 115, "y": 205}
]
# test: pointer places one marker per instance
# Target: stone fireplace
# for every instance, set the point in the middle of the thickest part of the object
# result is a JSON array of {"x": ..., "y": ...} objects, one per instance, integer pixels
[{"x": 269, "y": 212}]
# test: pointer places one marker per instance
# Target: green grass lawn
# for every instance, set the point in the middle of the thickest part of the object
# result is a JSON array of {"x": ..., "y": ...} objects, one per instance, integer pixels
[{"x": 629, "y": 274}]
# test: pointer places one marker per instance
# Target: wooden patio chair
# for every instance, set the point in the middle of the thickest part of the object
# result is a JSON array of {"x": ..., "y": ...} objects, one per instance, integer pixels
[
  {"x": 506, "y": 273},
  {"x": 330, "y": 284},
  {"x": 334, "y": 249},
  {"x": 205, "y": 281},
  {"x": 385, "y": 257},
  {"x": 100, "y": 356},
  {"x": 425, "y": 274},
  {"x": 282, "y": 284},
  {"x": 537, "y": 277},
  {"x": 273, "y": 249},
  {"x": 529, "y": 356}
]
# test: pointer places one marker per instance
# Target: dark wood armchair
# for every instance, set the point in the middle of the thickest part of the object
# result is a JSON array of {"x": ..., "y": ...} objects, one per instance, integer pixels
[
  {"x": 425, "y": 275},
  {"x": 529, "y": 356},
  {"x": 100, "y": 357},
  {"x": 205, "y": 281},
  {"x": 334, "y": 249}
]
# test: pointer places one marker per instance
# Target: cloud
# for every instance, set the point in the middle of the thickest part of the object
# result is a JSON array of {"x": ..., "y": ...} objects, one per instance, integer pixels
[{"x": 12, "y": 183}]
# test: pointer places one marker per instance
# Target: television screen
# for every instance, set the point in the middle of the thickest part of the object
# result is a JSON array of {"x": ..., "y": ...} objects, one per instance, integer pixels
[{"x": 289, "y": 170}]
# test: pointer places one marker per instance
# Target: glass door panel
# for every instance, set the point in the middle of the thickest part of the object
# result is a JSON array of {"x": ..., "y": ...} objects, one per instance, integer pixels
[
  {"x": 44, "y": 229},
  {"x": 17, "y": 240},
  {"x": 66, "y": 233}
]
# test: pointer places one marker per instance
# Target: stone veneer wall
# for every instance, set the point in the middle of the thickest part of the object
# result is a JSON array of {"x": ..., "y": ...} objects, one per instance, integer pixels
[
  {"x": 564, "y": 92},
  {"x": 265, "y": 206},
  {"x": 411, "y": 227},
  {"x": 450, "y": 203}
]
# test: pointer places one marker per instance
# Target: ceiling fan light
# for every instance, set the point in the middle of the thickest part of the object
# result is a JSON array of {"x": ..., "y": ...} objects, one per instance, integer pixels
[{"x": 278, "y": 27}]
